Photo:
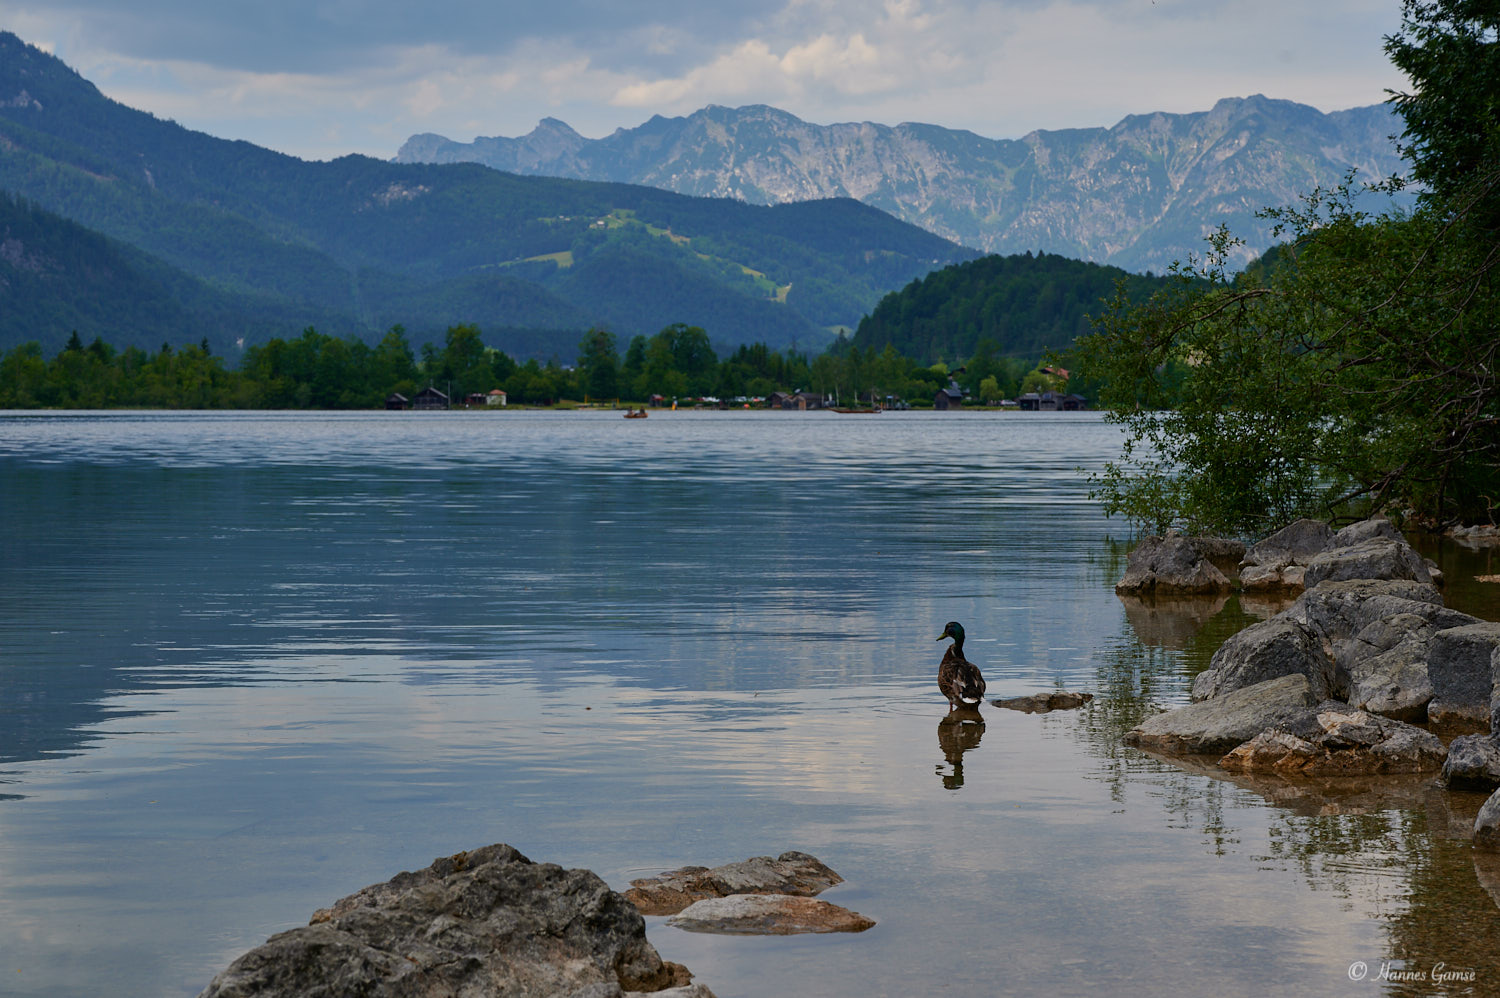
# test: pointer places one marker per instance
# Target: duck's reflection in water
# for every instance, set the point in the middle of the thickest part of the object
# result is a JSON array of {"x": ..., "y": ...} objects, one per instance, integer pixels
[{"x": 958, "y": 732}]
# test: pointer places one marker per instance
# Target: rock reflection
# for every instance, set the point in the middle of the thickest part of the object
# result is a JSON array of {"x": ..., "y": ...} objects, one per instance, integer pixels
[
  {"x": 1401, "y": 842},
  {"x": 958, "y": 732},
  {"x": 1170, "y": 623},
  {"x": 1267, "y": 604},
  {"x": 1310, "y": 797}
]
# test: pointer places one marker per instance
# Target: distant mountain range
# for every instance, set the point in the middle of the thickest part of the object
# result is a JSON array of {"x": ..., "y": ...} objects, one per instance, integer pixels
[
  {"x": 1138, "y": 195},
  {"x": 236, "y": 243}
]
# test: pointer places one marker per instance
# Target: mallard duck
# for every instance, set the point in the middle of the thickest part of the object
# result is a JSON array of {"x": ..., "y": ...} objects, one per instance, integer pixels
[{"x": 958, "y": 678}]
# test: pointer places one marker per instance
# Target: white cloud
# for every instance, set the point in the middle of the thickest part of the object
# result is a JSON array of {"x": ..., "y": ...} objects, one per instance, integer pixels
[{"x": 998, "y": 67}]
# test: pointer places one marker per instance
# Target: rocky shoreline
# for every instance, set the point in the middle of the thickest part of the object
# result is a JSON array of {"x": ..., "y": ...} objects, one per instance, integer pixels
[
  {"x": 490, "y": 922},
  {"x": 1359, "y": 675}
]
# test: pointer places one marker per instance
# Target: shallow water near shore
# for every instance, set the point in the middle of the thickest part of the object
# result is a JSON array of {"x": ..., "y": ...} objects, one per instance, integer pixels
[{"x": 250, "y": 663}]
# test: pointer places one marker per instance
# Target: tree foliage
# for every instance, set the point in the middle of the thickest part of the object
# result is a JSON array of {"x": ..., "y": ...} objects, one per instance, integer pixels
[
  {"x": 1354, "y": 367},
  {"x": 1450, "y": 50},
  {"x": 1021, "y": 306}
]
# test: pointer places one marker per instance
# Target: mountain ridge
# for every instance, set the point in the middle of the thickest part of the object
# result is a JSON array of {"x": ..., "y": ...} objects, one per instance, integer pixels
[
  {"x": 369, "y": 243},
  {"x": 1138, "y": 194}
]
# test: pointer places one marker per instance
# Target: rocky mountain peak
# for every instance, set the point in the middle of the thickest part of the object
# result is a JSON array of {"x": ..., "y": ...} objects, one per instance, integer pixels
[{"x": 1139, "y": 194}]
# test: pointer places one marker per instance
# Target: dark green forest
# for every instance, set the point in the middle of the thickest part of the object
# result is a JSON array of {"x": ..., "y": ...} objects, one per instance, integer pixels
[{"x": 1025, "y": 305}]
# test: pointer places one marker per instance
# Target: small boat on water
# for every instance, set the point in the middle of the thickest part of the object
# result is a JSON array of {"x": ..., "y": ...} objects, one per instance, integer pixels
[
  {"x": 635, "y": 414},
  {"x": 850, "y": 408}
]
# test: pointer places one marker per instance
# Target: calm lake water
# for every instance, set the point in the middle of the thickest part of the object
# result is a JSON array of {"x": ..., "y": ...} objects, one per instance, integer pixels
[{"x": 250, "y": 663}]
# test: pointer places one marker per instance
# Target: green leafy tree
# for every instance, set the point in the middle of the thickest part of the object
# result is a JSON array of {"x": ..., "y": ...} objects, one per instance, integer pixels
[
  {"x": 599, "y": 364},
  {"x": 1355, "y": 367},
  {"x": 1450, "y": 50}
]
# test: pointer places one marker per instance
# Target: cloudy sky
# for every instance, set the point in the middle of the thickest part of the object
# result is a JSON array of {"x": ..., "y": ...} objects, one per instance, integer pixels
[{"x": 320, "y": 78}]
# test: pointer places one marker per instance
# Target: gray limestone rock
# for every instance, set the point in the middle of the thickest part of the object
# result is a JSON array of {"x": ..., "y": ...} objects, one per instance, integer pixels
[
  {"x": 1334, "y": 739},
  {"x": 1267, "y": 650},
  {"x": 790, "y": 873},
  {"x": 1280, "y": 561},
  {"x": 1473, "y": 763},
  {"x": 1495, "y": 693},
  {"x": 1220, "y": 724},
  {"x": 1487, "y": 825},
  {"x": 1042, "y": 703},
  {"x": 1365, "y": 530},
  {"x": 768, "y": 915},
  {"x": 1294, "y": 544},
  {"x": 1460, "y": 664},
  {"x": 1395, "y": 682},
  {"x": 484, "y": 923},
  {"x": 1379, "y": 557},
  {"x": 1170, "y": 565},
  {"x": 1340, "y": 610}
]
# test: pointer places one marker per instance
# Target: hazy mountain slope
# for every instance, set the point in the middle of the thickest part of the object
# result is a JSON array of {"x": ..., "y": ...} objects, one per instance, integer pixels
[
  {"x": 1139, "y": 194},
  {"x": 364, "y": 239},
  {"x": 58, "y": 277}
]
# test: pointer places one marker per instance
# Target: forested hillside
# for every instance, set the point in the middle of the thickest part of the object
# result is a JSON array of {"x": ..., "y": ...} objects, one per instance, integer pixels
[
  {"x": 57, "y": 278},
  {"x": 371, "y": 243},
  {"x": 1024, "y": 305}
]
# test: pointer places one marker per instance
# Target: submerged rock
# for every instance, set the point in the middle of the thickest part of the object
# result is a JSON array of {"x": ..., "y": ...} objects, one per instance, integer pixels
[
  {"x": 1041, "y": 703},
  {"x": 768, "y": 915},
  {"x": 1218, "y": 725},
  {"x": 484, "y": 923},
  {"x": 1170, "y": 565},
  {"x": 1335, "y": 740},
  {"x": 792, "y": 872},
  {"x": 1484, "y": 535}
]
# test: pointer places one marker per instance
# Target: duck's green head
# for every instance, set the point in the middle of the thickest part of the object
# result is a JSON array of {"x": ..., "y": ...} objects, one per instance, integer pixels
[{"x": 953, "y": 630}]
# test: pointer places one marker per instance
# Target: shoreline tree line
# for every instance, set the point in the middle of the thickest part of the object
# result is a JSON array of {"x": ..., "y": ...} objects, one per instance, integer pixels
[{"x": 317, "y": 371}]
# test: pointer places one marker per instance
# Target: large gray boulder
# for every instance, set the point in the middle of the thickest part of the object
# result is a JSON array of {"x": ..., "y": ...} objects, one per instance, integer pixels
[
  {"x": 1170, "y": 565},
  {"x": 792, "y": 872},
  {"x": 1340, "y": 610},
  {"x": 1218, "y": 725},
  {"x": 1487, "y": 825},
  {"x": 1394, "y": 683},
  {"x": 1267, "y": 650},
  {"x": 479, "y": 924},
  {"x": 1495, "y": 693},
  {"x": 1460, "y": 665},
  {"x": 1335, "y": 740},
  {"x": 1366, "y": 530},
  {"x": 1280, "y": 561},
  {"x": 1385, "y": 665},
  {"x": 1379, "y": 557},
  {"x": 1473, "y": 763},
  {"x": 768, "y": 915},
  {"x": 1222, "y": 551}
]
